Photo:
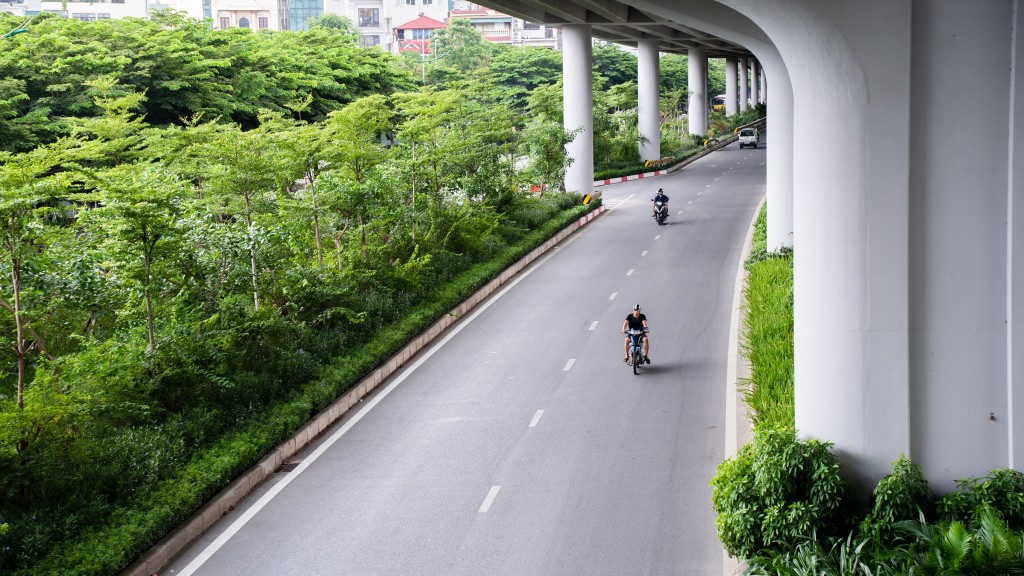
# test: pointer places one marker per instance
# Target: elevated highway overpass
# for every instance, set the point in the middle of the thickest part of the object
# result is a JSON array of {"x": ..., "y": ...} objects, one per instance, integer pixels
[{"x": 896, "y": 138}]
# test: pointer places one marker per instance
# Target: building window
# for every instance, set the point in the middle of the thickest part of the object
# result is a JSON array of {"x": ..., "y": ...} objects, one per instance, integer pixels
[
  {"x": 103, "y": 16},
  {"x": 369, "y": 40},
  {"x": 410, "y": 2},
  {"x": 428, "y": 2},
  {"x": 117, "y": 1},
  {"x": 369, "y": 17},
  {"x": 225, "y": 22},
  {"x": 420, "y": 34},
  {"x": 530, "y": 26},
  {"x": 264, "y": 22},
  {"x": 243, "y": 22},
  {"x": 84, "y": 17},
  {"x": 301, "y": 11}
]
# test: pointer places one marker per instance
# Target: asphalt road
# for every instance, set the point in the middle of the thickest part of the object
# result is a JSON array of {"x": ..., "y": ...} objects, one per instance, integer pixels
[{"x": 521, "y": 444}]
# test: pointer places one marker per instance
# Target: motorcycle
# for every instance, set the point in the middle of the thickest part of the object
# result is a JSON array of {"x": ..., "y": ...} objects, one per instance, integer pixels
[
  {"x": 660, "y": 212},
  {"x": 636, "y": 349}
]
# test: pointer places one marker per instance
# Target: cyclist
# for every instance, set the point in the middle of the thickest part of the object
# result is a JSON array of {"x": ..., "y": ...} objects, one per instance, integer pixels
[
  {"x": 659, "y": 197},
  {"x": 636, "y": 321}
]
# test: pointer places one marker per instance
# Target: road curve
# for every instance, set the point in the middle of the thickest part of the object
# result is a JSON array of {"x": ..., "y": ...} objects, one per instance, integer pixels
[{"x": 521, "y": 443}]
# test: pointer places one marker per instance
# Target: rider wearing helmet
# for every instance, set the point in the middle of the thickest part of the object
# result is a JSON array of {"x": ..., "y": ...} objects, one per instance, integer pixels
[
  {"x": 659, "y": 197},
  {"x": 636, "y": 321}
]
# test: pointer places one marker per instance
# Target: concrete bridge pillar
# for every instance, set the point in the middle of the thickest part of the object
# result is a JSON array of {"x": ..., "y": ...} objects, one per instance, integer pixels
[
  {"x": 648, "y": 99},
  {"x": 755, "y": 73},
  {"x": 730, "y": 87},
  {"x": 779, "y": 168},
  {"x": 764, "y": 87},
  {"x": 744, "y": 85},
  {"x": 697, "y": 84},
  {"x": 578, "y": 105}
]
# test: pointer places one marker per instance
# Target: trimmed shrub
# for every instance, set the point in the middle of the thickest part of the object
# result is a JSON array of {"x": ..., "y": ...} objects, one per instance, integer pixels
[
  {"x": 1002, "y": 490},
  {"x": 901, "y": 495},
  {"x": 777, "y": 492}
]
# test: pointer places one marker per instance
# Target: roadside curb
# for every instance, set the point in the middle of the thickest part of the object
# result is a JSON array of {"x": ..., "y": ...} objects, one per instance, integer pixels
[
  {"x": 737, "y": 425},
  {"x": 164, "y": 551}
]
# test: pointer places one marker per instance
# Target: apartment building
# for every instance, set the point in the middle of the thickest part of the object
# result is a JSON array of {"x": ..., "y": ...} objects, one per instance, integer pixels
[
  {"x": 497, "y": 27},
  {"x": 394, "y": 25}
]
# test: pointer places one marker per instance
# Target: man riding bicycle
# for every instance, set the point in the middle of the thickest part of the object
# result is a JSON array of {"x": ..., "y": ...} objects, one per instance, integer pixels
[{"x": 635, "y": 321}]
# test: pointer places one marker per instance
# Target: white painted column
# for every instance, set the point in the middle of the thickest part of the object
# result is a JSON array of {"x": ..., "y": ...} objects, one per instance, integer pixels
[
  {"x": 779, "y": 169},
  {"x": 964, "y": 239},
  {"x": 697, "y": 84},
  {"x": 648, "y": 99},
  {"x": 764, "y": 87},
  {"x": 730, "y": 87},
  {"x": 578, "y": 106},
  {"x": 743, "y": 85},
  {"x": 755, "y": 73}
]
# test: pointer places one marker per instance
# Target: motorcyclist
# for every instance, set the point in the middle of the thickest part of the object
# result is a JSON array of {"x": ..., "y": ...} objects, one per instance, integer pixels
[
  {"x": 659, "y": 197},
  {"x": 635, "y": 321}
]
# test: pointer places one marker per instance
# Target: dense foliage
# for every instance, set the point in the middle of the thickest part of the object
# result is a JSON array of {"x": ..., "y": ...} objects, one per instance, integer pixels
[
  {"x": 781, "y": 505},
  {"x": 175, "y": 299},
  {"x": 183, "y": 68},
  {"x": 777, "y": 491}
]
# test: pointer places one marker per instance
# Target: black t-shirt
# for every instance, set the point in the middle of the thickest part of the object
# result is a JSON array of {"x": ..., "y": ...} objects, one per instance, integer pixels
[{"x": 636, "y": 322}]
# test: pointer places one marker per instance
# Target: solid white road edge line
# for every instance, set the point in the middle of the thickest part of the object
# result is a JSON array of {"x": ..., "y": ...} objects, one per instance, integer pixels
[{"x": 221, "y": 540}]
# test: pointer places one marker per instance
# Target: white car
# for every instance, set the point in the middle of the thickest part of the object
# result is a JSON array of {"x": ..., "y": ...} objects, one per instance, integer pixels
[{"x": 748, "y": 137}]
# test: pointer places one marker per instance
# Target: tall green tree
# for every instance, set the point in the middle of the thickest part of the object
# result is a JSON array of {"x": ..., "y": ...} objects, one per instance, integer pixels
[
  {"x": 673, "y": 72},
  {"x": 614, "y": 63},
  {"x": 28, "y": 191},
  {"x": 115, "y": 136},
  {"x": 139, "y": 207},
  {"x": 520, "y": 71},
  {"x": 244, "y": 173},
  {"x": 357, "y": 130},
  {"x": 461, "y": 48}
]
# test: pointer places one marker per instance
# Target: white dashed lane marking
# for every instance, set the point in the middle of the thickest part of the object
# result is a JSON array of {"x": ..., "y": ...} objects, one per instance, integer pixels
[
  {"x": 593, "y": 325},
  {"x": 489, "y": 500},
  {"x": 536, "y": 418},
  {"x": 630, "y": 273},
  {"x": 614, "y": 294},
  {"x": 568, "y": 365}
]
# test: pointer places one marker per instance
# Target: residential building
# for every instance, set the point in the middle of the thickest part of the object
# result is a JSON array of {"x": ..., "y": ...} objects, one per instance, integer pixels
[
  {"x": 415, "y": 36},
  {"x": 252, "y": 14},
  {"x": 504, "y": 29}
]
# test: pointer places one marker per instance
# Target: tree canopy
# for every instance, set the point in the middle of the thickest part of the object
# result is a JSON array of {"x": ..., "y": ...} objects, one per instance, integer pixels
[{"x": 183, "y": 67}]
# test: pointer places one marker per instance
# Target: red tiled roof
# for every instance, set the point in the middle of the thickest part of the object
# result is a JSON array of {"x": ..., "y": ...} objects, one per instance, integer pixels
[{"x": 422, "y": 23}]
